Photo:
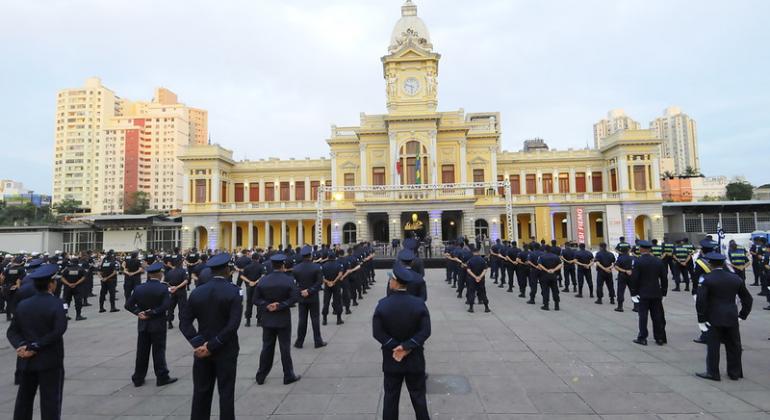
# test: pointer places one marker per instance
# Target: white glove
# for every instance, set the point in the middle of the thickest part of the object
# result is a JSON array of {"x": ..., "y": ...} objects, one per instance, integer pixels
[
  {"x": 635, "y": 299},
  {"x": 704, "y": 326},
  {"x": 695, "y": 297},
  {"x": 662, "y": 299}
]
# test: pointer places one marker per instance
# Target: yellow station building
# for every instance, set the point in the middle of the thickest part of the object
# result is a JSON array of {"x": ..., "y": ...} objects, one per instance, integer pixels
[{"x": 589, "y": 195}]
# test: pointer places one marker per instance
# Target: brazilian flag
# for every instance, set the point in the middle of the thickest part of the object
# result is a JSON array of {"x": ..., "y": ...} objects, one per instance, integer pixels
[{"x": 418, "y": 170}]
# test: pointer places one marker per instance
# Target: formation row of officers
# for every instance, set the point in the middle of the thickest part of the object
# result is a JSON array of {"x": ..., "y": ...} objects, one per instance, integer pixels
[{"x": 642, "y": 269}]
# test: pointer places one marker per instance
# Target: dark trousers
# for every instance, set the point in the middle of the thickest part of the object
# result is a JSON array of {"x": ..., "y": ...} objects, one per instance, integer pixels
[
  {"x": 502, "y": 272},
  {"x": 333, "y": 294},
  {"x": 415, "y": 384},
  {"x": 731, "y": 337},
  {"x": 107, "y": 287},
  {"x": 177, "y": 299},
  {"x": 603, "y": 278},
  {"x": 584, "y": 275},
  {"x": 461, "y": 279},
  {"x": 449, "y": 275},
  {"x": 269, "y": 335},
  {"x": 9, "y": 298},
  {"x": 522, "y": 277},
  {"x": 147, "y": 342},
  {"x": 655, "y": 309},
  {"x": 549, "y": 285},
  {"x": 494, "y": 267},
  {"x": 250, "y": 303},
  {"x": 477, "y": 289},
  {"x": 304, "y": 309},
  {"x": 739, "y": 273},
  {"x": 511, "y": 270},
  {"x": 75, "y": 293},
  {"x": 51, "y": 384},
  {"x": 622, "y": 285},
  {"x": 569, "y": 275},
  {"x": 534, "y": 278},
  {"x": 130, "y": 283},
  {"x": 206, "y": 372},
  {"x": 681, "y": 273},
  {"x": 345, "y": 293}
]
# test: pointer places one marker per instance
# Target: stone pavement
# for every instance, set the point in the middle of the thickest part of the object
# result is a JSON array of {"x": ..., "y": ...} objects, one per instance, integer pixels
[{"x": 517, "y": 362}]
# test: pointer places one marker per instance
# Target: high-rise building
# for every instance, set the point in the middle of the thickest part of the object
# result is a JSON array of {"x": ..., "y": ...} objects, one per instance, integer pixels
[
  {"x": 616, "y": 120},
  {"x": 108, "y": 149},
  {"x": 679, "y": 149}
]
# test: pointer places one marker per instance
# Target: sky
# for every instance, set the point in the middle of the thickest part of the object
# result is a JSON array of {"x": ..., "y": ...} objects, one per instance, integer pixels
[{"x": 276, "y": 74}]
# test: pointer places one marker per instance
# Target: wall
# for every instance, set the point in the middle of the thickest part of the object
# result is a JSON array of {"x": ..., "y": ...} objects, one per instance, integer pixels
[{"x": 41, "y": 241}]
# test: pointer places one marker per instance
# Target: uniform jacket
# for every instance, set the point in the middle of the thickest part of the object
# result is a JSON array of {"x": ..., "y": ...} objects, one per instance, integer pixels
[
  {"x": 309, "y": 276},
  {"x": 152, "y": 296},
  {"x": 402, "y": 319},
  {"x": 217, "y": 305},
  {"x": 716, "y": 299},
  {"x": 39, "y": 324},
  {"x": 276, "y": 287},
  {"x": 649, "y": 277}
]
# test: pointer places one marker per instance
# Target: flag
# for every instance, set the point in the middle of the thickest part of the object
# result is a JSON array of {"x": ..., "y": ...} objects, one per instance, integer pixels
[
  {"x": 398, "y": 167},
  {"x": 720, "y": 235},
  {"x": 417, "y": 170}
]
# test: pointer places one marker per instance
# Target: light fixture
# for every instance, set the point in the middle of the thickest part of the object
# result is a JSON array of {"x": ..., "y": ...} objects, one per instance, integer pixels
[
  {"x": 336, "y": 225},
  {"x": 451, "y": 223},
  {"x": 599, "y": 220},
  {"x": 339, "y": 196},
  {"x": 494, "y": 220},
  {"x": 564, "y": 221},
  {"x": 395, "y": 221},
  {"x": 435, "y": 220},
  {"x": 359, "y": 222},
  {"x": 629, "y": 217}
]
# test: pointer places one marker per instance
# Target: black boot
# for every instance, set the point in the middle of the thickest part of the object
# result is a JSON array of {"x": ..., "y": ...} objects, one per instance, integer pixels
[
  {"x": 339, "y": 320},
  {"x": 323, "y": 321},
  {"x": 545, "y": 307},
  {"x": 612, "y": 301},
  {"x": 486, "y": 308},
  {"x": 598, "y": 301},
  {"x": 619, "y": 308},
  {"x": 556, "y": 306},
  {"x": 470, "y": 309}
]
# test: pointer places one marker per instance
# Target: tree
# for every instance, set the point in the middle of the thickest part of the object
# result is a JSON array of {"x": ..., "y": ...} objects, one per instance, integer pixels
[
  {"x": 739, "y": 190},
  {"x": 138, "y": 203},
  {"x": 668, "y": 175},
  {"x": 690, "y": 172},
  {"x": 66, "y": 206}
]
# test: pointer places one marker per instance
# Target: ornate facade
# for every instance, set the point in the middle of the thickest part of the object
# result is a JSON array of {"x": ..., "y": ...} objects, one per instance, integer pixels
[{"x": 590, "y": 195}]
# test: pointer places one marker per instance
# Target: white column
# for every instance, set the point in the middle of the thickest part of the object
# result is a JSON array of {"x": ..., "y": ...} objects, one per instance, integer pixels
[
  {"x": 433, "y": 157},
  {"x": 493, "y": 158},
  {"x": 233, "y": 236},
  {"x": 292, "y": 192},
  {"x": 463, "y": 161},
  {"x": 186, "y": 189},
  {"x": 300, "y": 232},
  {"x": 216, "y": 195},
  {"x": 252, "y": 240},
  {"x": 334, "y": 168},
  {"x": 656, "y": 174},
  {"x": 261, "y": 189},
  {"x": 523, "y": 181},
  {"x": 393, "y": 158},
  {"x": 587, "y": 225},
  {"x": 283, "y": 233},
  {"x": 622, "y": 175},
  {"x": 515, "y": 221},
  {"x": 572, "y": 184},
  {"x": 589, "y": 180},
  {"x": 606, "y": 180},
  {"x": 268, "y": 237},
  {"x": 555, "y": 178}
]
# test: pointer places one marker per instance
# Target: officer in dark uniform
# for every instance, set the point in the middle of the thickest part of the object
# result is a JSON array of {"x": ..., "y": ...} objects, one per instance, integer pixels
[
  {"x": 668, "y": 256},
  {"x": 217, "y": 306},
  {"x": 73, "y": 279},
  {"x": 679, "y": 269},
  {"x": 132, "y": 273},
  {"x": 108, "y": 270},
  {"x": 201, "y": 273},
  {"x": 12, "y": 276},
  {"x": 449, "y": 263},
  {"x": 522, "y": 270},
  {"x": 495, "y": 260},
  {"x": 756, "y": 250},
  {"x": 648, "y": 286},
  {"x": 718, "y": 314},
  {"x": 250, "y": 276},
  {"x": 477, "y": 268},
  {"x": 150, "y": 303},
  {"x": 623, "y": 265},
  {"x": 738, "y": 259},
  {"x": 177, "y": 281},
  {"x": 568, "y": 257},
  {"x": 36, "y": 333},
  {"x": 701, "y": 268},
  {"x": 5, "y": 262},
  {"x": 332, "y": 274},
  {"x": 550, "y": 265},
  {"x": 509, "y": 263},
  {"x": 241, "y": 262},
  {"x": 276, "y": 293},
  {"x": 418, "y": 266},
  {"x": 417, "y": 286},
  {"x": 401, "y": 324},
  {"x": 534, "y": 273},
  {"x": 192, "y": 260},
  {"x": 309, "y": 278},
  {"x": 605, "y": 260},
  {"x": 584, "y": 259}
]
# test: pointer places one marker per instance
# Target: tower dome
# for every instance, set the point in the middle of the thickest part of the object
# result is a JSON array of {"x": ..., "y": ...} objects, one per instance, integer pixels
[{"x": 410, "y": 26}]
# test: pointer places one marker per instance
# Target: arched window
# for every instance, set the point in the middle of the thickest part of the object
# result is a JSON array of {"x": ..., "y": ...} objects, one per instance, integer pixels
[
  {"x": 481, "y": 228},
  {"x": 349, "y": 233},
  {"x": 413, "y": 163}
]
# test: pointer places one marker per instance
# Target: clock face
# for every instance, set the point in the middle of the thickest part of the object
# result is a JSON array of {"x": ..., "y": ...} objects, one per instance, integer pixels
[{"x": 411, "y": 86}]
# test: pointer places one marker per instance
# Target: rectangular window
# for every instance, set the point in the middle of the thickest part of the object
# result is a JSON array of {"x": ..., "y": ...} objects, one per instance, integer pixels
[
  {"x": 515, "y": 181},
  {"x": 224, "y": 192},
  {"x": 239, "y": 192},
  {"x": 478, "y": 176},
  {"x": 254, "y": 192},
  {"x": 328, "y": 184},
  {"x": 285, "y": 194},
  {"x": 547, "y": 183},
  {"x": 447, "y": 174},
  {"x": 597, "y": 183},
  {"x": 299, "y": 190},
  {"x": 501, "y": 189},
  {"x": 640, "y": 178},
  {"x": 200, "y": 190},
  {"x": 378, "y": 176},
  {"x": 350, "y": 180},
  {"x": 580, "y": 182},
  {"x": 564, "y": 182},
  {"x": 531, "y": 184},
  {"x": 314, "y": 185},
  {"x": 269, "y": 191},
  {"x": 613, "y": 180}
]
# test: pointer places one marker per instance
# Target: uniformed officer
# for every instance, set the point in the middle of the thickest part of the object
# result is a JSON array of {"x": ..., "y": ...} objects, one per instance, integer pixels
[
  {"x": 217, "y": 306},
  {"x": 623, "y": 265},
  {"x": 192, "y": 261},
  {"x": 737, "y": 258},
  {"x": 534, "y": 272},
  {"x": 36, "y": 333},
  {"x": 550, "y": 265},
  {"x": 150, "y": 302},
  {"x": 605, "y": 260},
  {"x": 568, "y": 258},
  {"x": 495, "y": 260},
  {"x": 476, "y": 270},
  {"x": 401, "y": 324},
  {"x": 509, "y": 263},
  {"x": 416, "y": 286},
  {"x": 4, "y": 263},
  {"x": 177, "y": 281},
  {"x": 584, "y": 259},
  {"x": 648, "y": 286},
  {"x": 450, "y": 263},
  {"x": 702, "y": 267},
  {"x": 657, "y": 249},
  {"x": 73, "y": 278},
  {"x": 12, "y": 276},
  {"x": 276, "y": 293},
  {"x": 756, "y": 250},
  {"x": 522, "y": 269},
  {"x": 250, "y": 276},
  {"x": 668, "y": 256},
  {"x": 418, "y": 265},
  {"x": 108, "y": 270},
  {"x": 132, "y": 273},
  {"x": 309, "y": 278},
  {"x": 718, "y": 314},
  {"x": 680, "y": 268},
  {"x": 332, "y": 272}
]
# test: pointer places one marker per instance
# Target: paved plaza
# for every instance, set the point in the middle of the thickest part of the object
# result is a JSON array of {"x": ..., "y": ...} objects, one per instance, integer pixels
[{"x": 517, "y": 362}]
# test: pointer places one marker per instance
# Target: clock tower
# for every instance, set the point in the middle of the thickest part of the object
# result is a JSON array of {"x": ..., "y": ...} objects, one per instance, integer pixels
[{"x": 411, "y": 67}]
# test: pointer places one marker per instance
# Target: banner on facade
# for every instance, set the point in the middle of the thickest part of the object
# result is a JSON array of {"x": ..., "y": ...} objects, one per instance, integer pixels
[
  {"x": 614, "y": 222},
  {"x": 125, "y": 240},
  {"x": 580, "y": 225}
]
